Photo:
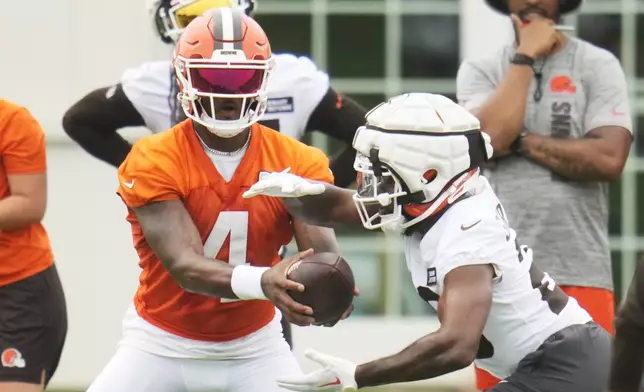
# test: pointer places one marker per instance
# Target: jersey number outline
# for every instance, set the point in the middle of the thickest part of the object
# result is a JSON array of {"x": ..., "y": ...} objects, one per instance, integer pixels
[
  {"x": 540, "y": 280},
  {"x": 233, "y": 224}
]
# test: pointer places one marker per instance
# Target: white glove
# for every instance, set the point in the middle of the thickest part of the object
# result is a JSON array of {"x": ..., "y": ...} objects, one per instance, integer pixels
[
  {"x": 284, "y": 184},
  {"x": 336, "y": 375}
]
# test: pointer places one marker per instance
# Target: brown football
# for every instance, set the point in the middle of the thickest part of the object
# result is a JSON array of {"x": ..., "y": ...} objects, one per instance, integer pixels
[{"x": 328, "y": 285}]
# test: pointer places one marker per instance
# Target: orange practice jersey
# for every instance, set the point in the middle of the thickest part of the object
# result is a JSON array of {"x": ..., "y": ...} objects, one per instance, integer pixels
[
  {"x": 173, "y": 166},
  {"x": 26, "y": 251}
]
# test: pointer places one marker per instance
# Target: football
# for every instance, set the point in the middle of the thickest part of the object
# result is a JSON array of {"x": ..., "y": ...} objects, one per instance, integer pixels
[{"x": 328, "y": 285}]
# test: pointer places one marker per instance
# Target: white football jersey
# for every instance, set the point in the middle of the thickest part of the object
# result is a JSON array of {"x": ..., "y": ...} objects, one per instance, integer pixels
[
  {"x": 476, "y": 231},
  {"x": 295, "y": 88}
]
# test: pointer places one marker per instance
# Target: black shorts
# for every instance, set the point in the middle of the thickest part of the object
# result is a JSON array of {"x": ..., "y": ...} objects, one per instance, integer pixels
[
  {"x": 33, "y": 326},
  {"x": 575, "y": 359}
]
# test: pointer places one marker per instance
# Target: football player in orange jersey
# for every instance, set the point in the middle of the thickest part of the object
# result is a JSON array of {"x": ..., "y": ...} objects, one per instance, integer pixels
[{"x": 204, "y": 317}]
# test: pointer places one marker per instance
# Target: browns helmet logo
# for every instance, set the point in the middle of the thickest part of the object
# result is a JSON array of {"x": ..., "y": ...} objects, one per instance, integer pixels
[{"x": 12, "y": 358}]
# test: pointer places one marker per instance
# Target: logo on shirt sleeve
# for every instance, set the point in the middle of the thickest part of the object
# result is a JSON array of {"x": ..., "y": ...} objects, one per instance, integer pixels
[
  {"x": 432, "y": 279},
  {"x": 280, "y": 105}
]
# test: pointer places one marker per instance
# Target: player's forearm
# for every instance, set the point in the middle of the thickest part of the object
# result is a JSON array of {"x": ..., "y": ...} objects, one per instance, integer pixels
[
  {"x": 334, "y": 208},
  {"x": 17, "y": 212},
  {"x": 431, "y": 356},
  {"x": 200, "y": 275},
  {"x": 502, "y": 115},
  {"x": 583, "y": 159}
]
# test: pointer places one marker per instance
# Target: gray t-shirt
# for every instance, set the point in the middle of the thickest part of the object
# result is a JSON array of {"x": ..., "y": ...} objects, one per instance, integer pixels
[{"x": 565, "y": 222}]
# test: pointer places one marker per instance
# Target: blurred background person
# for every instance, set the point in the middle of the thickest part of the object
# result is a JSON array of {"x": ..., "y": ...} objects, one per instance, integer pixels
[
  {"x": 33, "y": 315},
  {"x": 557, "y": 109},
  {"x": 628, "y": 345}
]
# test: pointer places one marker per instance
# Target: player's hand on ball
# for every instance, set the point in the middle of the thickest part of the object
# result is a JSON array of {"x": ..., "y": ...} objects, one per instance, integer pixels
[
  {"x": 284, "y": 184},
  {"x": 276, "y": 286},
  {"x": 336, "y": 375}
]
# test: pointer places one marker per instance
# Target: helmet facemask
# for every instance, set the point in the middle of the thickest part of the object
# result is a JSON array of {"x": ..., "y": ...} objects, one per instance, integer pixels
[
  {"x": 207, "y": 85},
  {"x": 381, "y": 195}
]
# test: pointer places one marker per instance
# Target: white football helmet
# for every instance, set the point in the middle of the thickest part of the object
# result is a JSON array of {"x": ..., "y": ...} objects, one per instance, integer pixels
[
  {"x": 170, "y": 17},
  {"x": 417, "y": 154}
]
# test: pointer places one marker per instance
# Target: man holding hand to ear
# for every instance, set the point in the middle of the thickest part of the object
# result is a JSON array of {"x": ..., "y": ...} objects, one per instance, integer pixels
[{"x": 557, "y": 111}]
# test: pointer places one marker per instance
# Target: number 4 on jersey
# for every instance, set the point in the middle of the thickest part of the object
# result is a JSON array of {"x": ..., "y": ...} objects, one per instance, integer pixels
[{"x": 235, "y": 225}]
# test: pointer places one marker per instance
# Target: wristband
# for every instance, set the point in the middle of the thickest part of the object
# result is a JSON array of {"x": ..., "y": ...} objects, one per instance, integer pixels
[
  {"x": 246, "y": 282},
  {"x": 522, "y": 59}
]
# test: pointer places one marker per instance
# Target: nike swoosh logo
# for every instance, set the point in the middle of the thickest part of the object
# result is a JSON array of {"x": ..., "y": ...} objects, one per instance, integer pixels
[
  {"x": 616, "y": 113},
  {"x": 336, "y": 382},
  {"x": 463, "y": 227},
  {"x": 129, "y": 184}
]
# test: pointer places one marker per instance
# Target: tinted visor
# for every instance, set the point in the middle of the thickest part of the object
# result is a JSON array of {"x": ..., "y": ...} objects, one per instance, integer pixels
[{"x": 227, "y": 80}]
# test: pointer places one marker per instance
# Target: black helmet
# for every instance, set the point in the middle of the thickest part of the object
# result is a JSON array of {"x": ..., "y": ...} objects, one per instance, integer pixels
[{"x": 565, "y": 6}]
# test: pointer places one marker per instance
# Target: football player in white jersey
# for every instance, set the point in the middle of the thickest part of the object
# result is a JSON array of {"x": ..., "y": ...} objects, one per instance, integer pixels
[
  {"x": 300, "y": 99},
  {"x": 418, "y": 175}
]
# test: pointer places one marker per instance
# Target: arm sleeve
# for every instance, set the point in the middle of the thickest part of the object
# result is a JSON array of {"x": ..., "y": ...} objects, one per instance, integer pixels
[
  {"x": 22, "y": 144},
  {"x": 94, "y": 120},
  {"x": 607, "y": 95},
  {"x": 473, "y": 86},
  {"x": 148, "y": 175},
  {"x": 339, "y": 117}
]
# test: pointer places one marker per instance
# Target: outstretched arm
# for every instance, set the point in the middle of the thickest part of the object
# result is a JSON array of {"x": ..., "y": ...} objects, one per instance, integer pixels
[
  {"x": 332, "y": 208},
  {"x": 465, "y": 305}
]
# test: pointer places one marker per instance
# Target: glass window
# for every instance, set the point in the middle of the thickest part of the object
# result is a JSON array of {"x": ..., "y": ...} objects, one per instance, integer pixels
[
  {"x": 368, "y": 101},
  {"x": 296, "y": 38},
  {"x": 604, "y": 31},
  {"x": 356, "y": 46},
  {"x": 639, "y": 54},
  {"x": 638, "y": 132},
  {"x": 368, "y": 265},
  {"x": 615, "y": 208},
  {"x": 430, "y": 46},
  {"x": 640, "y": 207}
]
